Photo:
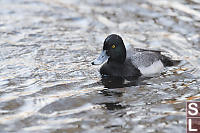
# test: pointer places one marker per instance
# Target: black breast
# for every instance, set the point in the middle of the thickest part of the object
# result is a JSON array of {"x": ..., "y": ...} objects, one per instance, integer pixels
[{"x": 125, "y": 70}]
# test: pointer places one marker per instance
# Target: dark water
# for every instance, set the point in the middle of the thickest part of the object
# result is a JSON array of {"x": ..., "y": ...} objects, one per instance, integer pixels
[{"x": 48, "y": 84}]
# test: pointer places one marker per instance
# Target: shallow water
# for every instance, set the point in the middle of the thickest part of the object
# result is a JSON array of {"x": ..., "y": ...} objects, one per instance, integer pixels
[{"x": 49, "y": 85}]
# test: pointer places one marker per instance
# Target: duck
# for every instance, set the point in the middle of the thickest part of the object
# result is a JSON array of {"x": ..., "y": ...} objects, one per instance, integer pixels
[{"x": 135, "y": 63}]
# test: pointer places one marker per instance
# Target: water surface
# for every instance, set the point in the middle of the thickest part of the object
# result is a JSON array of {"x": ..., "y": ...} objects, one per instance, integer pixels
[{"x": 49, "y": 85}]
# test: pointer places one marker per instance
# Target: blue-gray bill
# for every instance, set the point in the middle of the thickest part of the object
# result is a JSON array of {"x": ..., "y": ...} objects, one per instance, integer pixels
[{"x": 101, "y": 59}]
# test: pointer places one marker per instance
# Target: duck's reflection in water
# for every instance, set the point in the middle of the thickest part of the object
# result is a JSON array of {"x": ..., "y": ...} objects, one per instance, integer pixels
[
  {"x": 114, "y": 89},
  {"x": 120, "y": 82}
]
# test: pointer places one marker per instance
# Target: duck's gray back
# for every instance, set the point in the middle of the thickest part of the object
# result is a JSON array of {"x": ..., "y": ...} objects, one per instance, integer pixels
[{"x": 144, "y": 58}]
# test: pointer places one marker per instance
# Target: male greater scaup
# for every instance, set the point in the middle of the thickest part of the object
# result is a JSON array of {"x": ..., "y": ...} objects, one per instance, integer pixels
[{"x": 125, "y": 64}]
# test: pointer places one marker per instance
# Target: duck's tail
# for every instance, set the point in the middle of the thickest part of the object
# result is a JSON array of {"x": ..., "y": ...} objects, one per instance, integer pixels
[{"x": 169, "y": 62}]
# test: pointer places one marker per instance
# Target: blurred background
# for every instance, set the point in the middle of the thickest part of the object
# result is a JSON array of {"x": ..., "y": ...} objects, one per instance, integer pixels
[{"x": 47, "y": 82}]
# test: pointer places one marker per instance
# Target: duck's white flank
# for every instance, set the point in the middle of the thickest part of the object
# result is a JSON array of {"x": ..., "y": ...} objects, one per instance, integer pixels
[{"x": 155, "y": 68}]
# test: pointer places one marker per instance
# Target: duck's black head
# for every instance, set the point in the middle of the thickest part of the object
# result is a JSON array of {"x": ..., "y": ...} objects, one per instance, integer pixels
[{"x": 113, "y": 50}]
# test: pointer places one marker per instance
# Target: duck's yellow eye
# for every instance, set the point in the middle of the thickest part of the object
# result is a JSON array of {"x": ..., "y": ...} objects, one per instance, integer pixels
[{"x": 113, "y": 46}]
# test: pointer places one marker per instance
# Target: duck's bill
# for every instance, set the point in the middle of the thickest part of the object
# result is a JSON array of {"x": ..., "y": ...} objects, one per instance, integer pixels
[{"x": 101, "y": 59}]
